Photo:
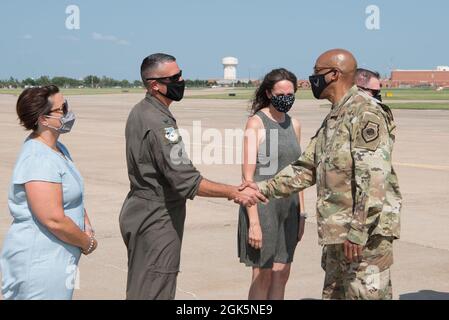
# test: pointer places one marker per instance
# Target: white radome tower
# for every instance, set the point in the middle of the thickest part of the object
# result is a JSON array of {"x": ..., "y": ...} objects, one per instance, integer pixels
[{"x": 230, "y": 68}]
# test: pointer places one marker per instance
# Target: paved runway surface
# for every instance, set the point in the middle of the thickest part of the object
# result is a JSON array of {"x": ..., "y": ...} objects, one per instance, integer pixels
[{"x": 210, "y": 268}]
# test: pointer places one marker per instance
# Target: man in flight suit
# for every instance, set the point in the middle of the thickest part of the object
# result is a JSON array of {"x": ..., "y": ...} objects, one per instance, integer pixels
[{"x": 161, "y": 179}]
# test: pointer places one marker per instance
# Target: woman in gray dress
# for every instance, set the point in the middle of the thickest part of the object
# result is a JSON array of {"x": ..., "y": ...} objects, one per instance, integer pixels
[{"x": 268, "y": 234}]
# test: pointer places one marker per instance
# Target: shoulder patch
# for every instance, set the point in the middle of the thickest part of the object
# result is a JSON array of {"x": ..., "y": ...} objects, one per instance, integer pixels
[
  {"x": 370, "y": 132},
  {"x": 171, "y": 135}
]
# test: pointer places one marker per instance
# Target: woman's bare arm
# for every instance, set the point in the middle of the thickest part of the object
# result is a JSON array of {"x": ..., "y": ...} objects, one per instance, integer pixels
[
  {"x": 250, "y": 149},
  {"x": 45, "y": 201}
]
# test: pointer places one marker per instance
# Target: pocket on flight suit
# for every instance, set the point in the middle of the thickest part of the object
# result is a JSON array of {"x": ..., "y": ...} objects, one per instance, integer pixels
[{"x": 162, "y": 241}]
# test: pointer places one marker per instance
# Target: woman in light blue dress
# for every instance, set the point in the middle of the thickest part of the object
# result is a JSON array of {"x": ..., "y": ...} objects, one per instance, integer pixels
[{"x": 50, "y": 227}]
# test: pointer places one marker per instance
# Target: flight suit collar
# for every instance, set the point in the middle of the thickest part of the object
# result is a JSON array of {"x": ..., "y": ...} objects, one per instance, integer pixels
[{"x": 159, "y": 105}]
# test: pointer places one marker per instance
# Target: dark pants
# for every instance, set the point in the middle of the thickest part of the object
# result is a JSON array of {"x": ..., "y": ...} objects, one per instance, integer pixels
[{"x": 152, "y": 232}]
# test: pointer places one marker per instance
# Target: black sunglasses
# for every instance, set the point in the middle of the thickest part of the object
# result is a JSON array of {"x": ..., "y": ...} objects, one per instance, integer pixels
[
  {"x": 173, "y": 78},
  {"x": 64, "y": 108},
  {"x": 373, "y": 91}
]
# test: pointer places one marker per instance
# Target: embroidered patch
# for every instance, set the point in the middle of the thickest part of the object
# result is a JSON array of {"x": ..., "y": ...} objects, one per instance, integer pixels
[
  {"x": 171, "y": 134},
  {"x": 370, "y": 132}
]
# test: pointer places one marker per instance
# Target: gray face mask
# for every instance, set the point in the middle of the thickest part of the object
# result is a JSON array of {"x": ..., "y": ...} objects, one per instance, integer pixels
[{"x": 67, "y": 122}]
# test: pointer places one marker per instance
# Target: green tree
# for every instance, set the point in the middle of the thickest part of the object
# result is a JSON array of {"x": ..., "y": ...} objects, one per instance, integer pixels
[
  {"x": 91, "y": 81},
  {"x": 43, "y": 81},
  {"x": 29, "y": 82},
  {"x": 125, "y": 83}
]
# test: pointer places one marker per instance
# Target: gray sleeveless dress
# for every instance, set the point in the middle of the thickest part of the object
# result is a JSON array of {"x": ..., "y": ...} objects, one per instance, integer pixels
[{"x": 279, "y": 218}]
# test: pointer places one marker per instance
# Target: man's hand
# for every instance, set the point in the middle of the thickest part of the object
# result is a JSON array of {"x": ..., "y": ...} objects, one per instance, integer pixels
[
  {"x": 248, "y": 197},
  {"x": 353, "y": 251},
  {"x": 248, "y": 184}
]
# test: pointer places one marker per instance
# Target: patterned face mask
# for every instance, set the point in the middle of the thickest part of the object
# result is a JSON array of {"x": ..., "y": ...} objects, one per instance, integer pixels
[
  {"x": 283, "y": 102},
  {"x": 67, "y": 122}
]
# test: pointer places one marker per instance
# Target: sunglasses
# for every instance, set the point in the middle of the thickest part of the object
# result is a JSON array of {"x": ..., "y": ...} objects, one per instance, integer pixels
[
  {"x": 372, "y": 91},
  {"x": 317, "y": 70},
  {"x": 64, "y": 108},
  {"x": 173, "y": 78}
]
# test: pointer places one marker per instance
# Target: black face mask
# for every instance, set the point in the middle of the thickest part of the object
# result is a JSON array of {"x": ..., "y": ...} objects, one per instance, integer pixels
[
  {"x": 318, "y": 84},
  {"x": 175, "y": 90},
  {"x": 373, "y": 92},
  {"x": 378, "y": 97},
  {"x": 283, "y": 102}
]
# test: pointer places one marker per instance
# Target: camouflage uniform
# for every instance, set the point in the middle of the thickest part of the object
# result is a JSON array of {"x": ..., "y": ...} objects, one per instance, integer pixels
[
  {"x": 358, "y": 197},
  {"x": 368, "y": 280}
]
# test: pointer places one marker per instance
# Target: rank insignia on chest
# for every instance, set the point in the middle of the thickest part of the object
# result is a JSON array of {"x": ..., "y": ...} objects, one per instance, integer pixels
[
  {"x": 370, "y": 132},
  {"x": 171, "y": 134}
]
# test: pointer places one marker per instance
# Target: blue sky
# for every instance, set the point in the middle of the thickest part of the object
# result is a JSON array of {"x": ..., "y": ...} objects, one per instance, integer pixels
[{"x": 114, "y": 36}]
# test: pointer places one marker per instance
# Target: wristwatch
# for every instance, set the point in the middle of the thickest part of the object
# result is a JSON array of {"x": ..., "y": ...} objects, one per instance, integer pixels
[{"x": 303, "y": 215}]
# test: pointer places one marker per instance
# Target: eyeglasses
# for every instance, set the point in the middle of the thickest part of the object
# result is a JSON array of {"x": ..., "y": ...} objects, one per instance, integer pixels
[
  {"x": 373, "y": 92},
  {"x": 173, "y": 78},
  {"x": 316, "y": 70},
  {"x": 64, "y": 108}
]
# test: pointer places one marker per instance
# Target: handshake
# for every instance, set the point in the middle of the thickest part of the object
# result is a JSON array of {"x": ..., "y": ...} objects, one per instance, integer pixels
[{"x": 248, "y": 194}]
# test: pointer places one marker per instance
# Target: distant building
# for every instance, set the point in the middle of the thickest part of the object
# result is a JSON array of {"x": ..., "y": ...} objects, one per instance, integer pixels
[{"x": 420, "y": 78}]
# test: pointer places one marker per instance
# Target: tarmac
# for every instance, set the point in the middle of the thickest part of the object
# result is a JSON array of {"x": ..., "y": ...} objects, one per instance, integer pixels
[{"x": 209, "y": 265}]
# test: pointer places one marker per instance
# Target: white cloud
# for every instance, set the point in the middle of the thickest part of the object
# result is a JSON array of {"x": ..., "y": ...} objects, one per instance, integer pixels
[
  {"x": 27, "y": 37},
  {"x": 102, "y": 37}
]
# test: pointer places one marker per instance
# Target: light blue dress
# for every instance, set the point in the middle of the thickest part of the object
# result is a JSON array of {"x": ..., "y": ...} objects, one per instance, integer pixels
[{"x": 34, "y": 263}]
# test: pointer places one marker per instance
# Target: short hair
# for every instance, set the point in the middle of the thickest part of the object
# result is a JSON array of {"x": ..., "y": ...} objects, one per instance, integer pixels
[
  {"x": 33, "y": 103},
  {"x": 363, "y": 76},
  {"x": 152, "y": 63}
]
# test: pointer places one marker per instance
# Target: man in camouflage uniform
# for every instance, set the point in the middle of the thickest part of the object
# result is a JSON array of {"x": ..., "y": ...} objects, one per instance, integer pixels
[{"x": 358, "y": 198}]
